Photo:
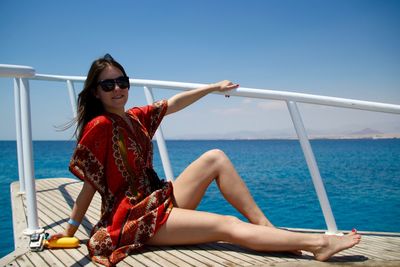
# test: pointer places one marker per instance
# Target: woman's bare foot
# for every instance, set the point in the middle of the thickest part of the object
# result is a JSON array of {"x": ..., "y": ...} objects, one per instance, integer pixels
[{"x": 333, "y": 244}]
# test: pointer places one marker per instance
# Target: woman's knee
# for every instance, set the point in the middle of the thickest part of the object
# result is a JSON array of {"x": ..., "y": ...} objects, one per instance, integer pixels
[
  {"x": 215, "y": 157},
  {"x": 232, "y": 220},
  {"x": 230, "y": 226}
]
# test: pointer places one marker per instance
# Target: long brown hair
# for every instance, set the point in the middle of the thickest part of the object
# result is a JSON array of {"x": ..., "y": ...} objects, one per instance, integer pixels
[{"x": 89, "y": 106}]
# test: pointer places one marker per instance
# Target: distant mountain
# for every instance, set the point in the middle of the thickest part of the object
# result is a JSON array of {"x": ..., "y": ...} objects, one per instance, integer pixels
[
  {"x": 290, "y": 134},
  {"x": 242, "y": 135},
  {"x": 366, "y": 131}
]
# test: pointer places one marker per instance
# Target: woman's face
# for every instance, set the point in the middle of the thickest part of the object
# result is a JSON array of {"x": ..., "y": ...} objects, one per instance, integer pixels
[{"x": 115, "y": 100}]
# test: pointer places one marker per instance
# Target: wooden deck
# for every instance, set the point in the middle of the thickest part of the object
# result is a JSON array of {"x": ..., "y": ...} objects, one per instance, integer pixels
[{"x": 55, "y": 198}]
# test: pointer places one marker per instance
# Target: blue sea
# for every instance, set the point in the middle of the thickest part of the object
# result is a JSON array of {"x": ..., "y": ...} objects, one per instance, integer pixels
[{"x": 362, "y": 179}]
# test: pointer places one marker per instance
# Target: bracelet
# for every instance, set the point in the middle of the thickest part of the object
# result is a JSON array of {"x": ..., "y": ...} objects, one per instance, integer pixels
[{"x": 73, "y": 222}]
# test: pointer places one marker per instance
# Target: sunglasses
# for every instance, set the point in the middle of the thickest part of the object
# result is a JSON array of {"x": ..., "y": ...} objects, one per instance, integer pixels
[{"x": 109, "y": 84}]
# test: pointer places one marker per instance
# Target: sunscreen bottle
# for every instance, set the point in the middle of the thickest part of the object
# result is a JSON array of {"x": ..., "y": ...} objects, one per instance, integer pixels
[{"x": 63, "y": 242}]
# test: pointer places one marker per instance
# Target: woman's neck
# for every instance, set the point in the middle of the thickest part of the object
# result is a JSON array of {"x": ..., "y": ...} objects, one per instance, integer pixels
[{"x": 119, "y": 112}]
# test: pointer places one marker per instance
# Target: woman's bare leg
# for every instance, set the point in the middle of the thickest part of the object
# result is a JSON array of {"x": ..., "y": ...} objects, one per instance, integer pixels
[
  {"x": 185, "y": 227},
  {"x": 190, "y": 186}
]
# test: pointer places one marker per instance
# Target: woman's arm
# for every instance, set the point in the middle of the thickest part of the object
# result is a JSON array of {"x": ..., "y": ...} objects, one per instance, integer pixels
[
  {"x": 184, "y": 99},
  {"x": 78, "y": 211}
]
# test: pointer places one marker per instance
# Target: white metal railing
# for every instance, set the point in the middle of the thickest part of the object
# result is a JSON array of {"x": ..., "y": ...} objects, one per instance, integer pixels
[{"x": 22, "y": 75}]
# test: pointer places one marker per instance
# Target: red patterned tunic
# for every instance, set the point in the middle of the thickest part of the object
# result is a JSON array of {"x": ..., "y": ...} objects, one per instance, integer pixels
[{"x": 117, "y": 161}]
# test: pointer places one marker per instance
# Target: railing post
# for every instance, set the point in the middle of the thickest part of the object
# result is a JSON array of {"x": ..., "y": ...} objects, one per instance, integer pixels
[
  {"x": 72, "y": 96},
  {"x": 313, "y": 168},
  {"x": 33, "y": 223},
  {"x": 18, "y": 135},
  {"x": 162, "y": 147}
]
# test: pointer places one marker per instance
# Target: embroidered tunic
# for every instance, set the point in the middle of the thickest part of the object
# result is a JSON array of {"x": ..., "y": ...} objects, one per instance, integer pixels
[{"x": 116, "y": 160}]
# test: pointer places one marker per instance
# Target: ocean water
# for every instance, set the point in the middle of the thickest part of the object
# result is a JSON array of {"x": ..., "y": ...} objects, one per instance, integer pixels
[{"x": 362, "y": 179}]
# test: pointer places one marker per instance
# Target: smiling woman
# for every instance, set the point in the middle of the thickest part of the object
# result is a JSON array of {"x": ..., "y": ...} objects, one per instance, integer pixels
[
  {"x": 114, "y": 157},
  {"x": 105, "y": 89},
  {"x": 114, "y": 91}
]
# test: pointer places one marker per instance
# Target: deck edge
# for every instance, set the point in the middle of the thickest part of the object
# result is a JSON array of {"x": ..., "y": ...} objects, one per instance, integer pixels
[{"x": 21, "y": 241}]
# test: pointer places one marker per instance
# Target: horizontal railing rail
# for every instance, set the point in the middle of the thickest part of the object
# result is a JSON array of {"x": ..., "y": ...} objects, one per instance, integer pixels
[
  {"x": 16, "y": 71},
  {"x": 251, "y": 93},
  {"x": 22, "y": 75}
]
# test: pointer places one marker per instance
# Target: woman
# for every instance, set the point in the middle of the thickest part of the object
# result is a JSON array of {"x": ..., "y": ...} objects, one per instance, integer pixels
[{"x": 114, "y": 157}]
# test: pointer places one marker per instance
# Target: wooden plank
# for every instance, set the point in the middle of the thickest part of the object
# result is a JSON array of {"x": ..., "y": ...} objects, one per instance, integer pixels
[
  {"x": 247, "y": 255},
  {"x": 233, "y": 252},
  {"x": 35, "y": 258},
  {"x": 55, "y": 206},
  {"x": 369, "y": 254},
  {"x": 368, "y": 247},
  {"x": 12, "y": 264},
  {"x": 19, "y": 218},
  {"x": 188, "y": 251},
  {"x": 93, "y": 208},
  {"x": 25, "y": 261},
  {"x": 63, "y": 210},
  {"x": 373, "y": 253},
  {"x": 265, "y": 258},
  {"x": 389, "y": 245},
  {"x": 52, "y": 259},
  {"x": 175, "y": 251},
  {"x": 224, "y": 254},
  {"x": 156, "y": 258},
  {"x": 140, "y": 257},
  {"x": 74, "y": 189},
  {"x": 199, "y": 254},
  {"x": 176, "y": 261},
  {"x": 131, "y": 261},
  {"x": 50, "y": 217},
  {"x": 69, "y": 256}
]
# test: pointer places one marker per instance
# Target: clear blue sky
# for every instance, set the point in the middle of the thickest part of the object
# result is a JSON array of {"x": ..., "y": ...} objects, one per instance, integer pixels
[{"x": 339, "y": 48}]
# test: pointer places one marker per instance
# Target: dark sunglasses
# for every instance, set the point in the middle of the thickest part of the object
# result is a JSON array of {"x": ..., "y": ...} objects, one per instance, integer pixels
[{"x": 109, "y": 84}]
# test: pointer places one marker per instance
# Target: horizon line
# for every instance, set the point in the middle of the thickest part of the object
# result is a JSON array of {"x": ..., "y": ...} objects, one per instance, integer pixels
[{"x": 397, "y": 136}]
